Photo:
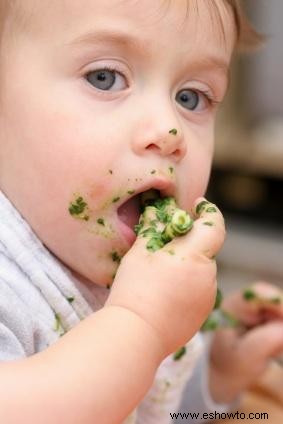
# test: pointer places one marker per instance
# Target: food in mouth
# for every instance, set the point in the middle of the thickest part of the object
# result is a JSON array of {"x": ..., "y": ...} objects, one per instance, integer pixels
[{"x": 161, "y": 220}]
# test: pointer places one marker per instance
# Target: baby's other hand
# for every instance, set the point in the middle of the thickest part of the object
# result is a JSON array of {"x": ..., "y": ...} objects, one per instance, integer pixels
[
  {"x": 240, "y": 355},
  {"x": 173, "y": 289}
]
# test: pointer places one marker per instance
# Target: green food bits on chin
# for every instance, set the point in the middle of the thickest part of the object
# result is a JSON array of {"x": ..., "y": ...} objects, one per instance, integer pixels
[
  {"x": 130, "y": 192},
  {"x": 101, "y": 221},
  {"x": 208, "y": 223}
]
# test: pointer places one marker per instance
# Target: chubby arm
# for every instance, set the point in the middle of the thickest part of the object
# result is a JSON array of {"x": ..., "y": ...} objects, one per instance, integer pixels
[
  {"x": 98, "y": 372},
  {"x": 102, "y": 368}
]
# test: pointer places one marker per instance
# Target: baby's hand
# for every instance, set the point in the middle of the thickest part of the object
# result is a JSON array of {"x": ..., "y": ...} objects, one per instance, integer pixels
[
  {"x": 240, "y": 355},
  {"x": 173, "y": 288}
]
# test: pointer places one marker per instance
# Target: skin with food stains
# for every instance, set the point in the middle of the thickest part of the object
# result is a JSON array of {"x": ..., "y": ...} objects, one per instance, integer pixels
[{"x": 79, "y": 209}]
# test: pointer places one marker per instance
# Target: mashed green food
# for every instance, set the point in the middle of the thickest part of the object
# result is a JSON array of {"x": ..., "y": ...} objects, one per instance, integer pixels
[{"x": 161, "y": 220}]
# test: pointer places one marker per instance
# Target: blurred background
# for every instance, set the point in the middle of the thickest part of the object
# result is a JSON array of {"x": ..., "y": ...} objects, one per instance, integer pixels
[{"x": 247, "y": 176}]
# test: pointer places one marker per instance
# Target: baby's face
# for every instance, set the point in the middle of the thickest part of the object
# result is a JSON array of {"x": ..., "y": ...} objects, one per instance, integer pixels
[{"x": 89, "y": 94}]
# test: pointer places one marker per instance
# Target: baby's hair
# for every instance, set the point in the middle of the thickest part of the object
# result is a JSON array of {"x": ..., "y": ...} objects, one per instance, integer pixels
[{"x": 247, "y": 36}]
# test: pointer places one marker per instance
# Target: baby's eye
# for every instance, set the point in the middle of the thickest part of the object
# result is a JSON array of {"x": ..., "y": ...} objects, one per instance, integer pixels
[
  {"x": 107, "y": 79},
  {"x": 189, "y": 99}
]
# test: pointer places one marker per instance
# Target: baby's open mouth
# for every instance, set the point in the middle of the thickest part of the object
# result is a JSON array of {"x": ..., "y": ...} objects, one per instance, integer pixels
[{"x": 129, "y": 212}]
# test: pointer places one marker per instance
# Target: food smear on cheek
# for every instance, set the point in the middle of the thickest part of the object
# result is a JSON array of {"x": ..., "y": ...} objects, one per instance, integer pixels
[{"x": 79, "y": 209}]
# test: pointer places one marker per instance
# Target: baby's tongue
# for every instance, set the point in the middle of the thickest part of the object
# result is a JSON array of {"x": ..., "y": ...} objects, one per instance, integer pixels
[{"x": 129, "y": 212}]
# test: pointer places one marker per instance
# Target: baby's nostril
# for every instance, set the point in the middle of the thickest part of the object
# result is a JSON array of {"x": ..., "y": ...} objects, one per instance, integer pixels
[
  {"x": 177, "y": 153},
  {"x": 152, "y": 146}
]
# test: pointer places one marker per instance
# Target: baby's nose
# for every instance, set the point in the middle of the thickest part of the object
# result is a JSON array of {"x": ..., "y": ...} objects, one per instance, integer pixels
[{"x": 160, "y": 139}]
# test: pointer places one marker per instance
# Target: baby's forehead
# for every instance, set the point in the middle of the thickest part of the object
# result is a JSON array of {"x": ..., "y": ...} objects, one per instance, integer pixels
[{"x": 197, "y": 17}]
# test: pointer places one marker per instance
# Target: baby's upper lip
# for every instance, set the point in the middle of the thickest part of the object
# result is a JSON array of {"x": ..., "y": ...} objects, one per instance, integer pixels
[{"x": 165, "y": 186}]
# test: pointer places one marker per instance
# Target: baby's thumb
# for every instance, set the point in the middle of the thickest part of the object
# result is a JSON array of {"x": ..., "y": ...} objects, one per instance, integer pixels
[{"x": 265, "y": 340}]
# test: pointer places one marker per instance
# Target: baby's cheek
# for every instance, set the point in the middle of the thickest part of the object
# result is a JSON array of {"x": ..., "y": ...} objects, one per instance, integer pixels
[{"x": 99, "y": 193}]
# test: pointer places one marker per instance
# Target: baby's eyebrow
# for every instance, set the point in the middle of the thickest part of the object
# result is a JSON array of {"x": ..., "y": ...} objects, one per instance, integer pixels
[
  {"x": 214, "y": 63},
  {"x": 111, "y": 36}
]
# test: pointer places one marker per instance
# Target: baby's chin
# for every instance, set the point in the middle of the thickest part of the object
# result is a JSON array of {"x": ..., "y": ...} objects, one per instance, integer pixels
[
  {"x": 99, "y": 276},
  {"x": 96, "y": 279},
  {"x": 101, "y": 267}
]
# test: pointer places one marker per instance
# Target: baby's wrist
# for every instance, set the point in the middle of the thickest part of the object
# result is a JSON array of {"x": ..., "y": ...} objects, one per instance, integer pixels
[{"x": 149, "y": 337}]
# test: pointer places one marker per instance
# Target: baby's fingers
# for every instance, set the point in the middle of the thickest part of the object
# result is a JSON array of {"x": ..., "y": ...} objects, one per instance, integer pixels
[{"x": 208, "y": 233}]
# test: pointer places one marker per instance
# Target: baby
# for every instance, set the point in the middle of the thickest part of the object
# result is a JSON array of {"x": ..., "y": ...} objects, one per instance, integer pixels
[{"x": 100, "y": 102}]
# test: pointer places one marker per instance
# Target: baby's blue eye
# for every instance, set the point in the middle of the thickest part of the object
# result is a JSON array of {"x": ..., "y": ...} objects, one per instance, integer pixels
[
  {"x": 101, "y": 79},
  {"x": 106, "y": 80},
  {"x": 189, "y": 99}
]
